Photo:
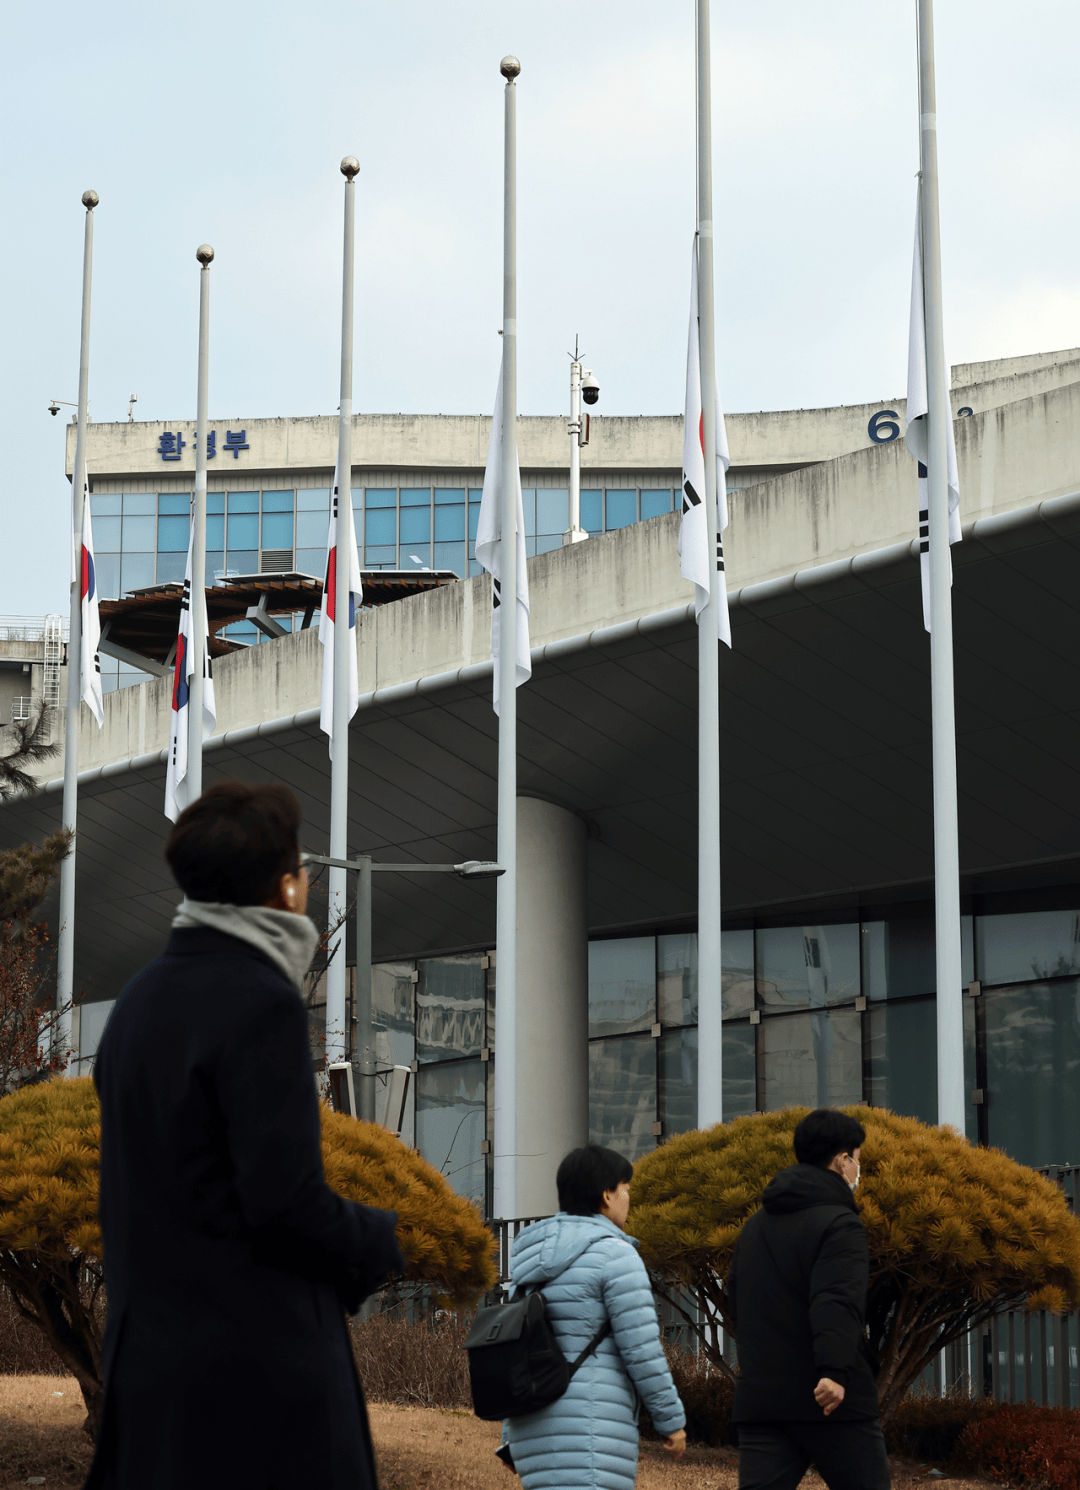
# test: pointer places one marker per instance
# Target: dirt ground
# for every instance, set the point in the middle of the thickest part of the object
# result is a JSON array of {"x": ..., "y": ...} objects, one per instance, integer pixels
[{"x": 42, "y": 1443}]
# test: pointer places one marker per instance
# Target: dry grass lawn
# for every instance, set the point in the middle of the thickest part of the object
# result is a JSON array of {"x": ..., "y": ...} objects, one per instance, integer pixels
[{"x": 419, "y": 1448}]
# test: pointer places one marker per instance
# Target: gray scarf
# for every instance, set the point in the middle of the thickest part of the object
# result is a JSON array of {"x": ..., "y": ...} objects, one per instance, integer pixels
[{"x": 287, "y": 939}]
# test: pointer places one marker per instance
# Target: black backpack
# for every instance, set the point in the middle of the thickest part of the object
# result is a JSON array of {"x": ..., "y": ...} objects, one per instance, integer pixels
[{"x": 516, "y": 1365}]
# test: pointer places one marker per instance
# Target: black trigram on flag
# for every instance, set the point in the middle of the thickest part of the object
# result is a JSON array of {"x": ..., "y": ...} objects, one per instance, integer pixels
[
  {"x": 719, "y": 554},
  {"x": 690, "y": 497},
  {"x": 496, "y": 594}
]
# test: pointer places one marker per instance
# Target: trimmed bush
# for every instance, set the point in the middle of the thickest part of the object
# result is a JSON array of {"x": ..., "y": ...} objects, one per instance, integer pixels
[
  {"x": 929, "y": 1428},
  {"x": 421, "y": 1363},
  {"x": 1020, "y": 1443}
]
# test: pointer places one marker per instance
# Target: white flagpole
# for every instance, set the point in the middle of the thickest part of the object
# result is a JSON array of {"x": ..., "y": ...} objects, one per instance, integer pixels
[
  {"x": 950, "y": 1012},
  {"x": 65, "y": 958},
  {"x": 197, "y": 641},
  {"x": 505, "y": 1198},
  {"x": 344, "y": 638},
  {"x": 710, "y": 1009}
]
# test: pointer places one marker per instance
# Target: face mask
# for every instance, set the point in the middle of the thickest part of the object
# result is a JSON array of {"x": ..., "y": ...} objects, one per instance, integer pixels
[{"x": 854, "y": 1184}]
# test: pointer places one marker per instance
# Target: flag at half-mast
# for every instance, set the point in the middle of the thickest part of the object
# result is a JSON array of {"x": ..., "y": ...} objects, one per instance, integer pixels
[
  {"x": 177, "y": 793},
  {"x": 82, "y": 551},
  {"x": 489, "y": 550},
  {"x": 699, "y": 549},
  {"x": 342, "y": 529},
  {"x": 916, "y": 434}
]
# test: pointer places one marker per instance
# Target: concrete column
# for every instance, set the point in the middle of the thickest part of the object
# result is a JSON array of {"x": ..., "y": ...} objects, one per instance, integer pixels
[{"x": 552, "y": 998}]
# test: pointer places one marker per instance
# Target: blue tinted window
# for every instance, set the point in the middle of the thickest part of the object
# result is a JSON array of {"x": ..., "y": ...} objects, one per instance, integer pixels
[
  {"x": 528, "y": 507},
  {"x": 653, "y": 503},
  {"x": 474, "y": 518},
  {"x": 416, "y": 556},
  {"x": 415, "y": 525},
  {"x": 415, "y": 496},
  {"x": 170, "y": 567},
  {"x": 552, "y": 509},
  {"x": 277, "y": 530},
  {"x": 215, "y": 501},
  {"x": 311, "y": 529},
  {"x": 107, "y": 571},
  {"x": 136, "y": 571},
  {"x": 215, "y": 534},
  {"x": 140, "y": 503},
  {"x": 445, "y": 495},
  {"x": 173, "y": 534},
  {"x": 380, "y": 526},
  {"x": 140, "y": 536},
  {"x": 174, "y": 503},
  {"x": 313, "y": 499},
  {"x": 548, "y": 542},
  {"x": 243, "y": 501},
  {"x": 277, "y": 501},
  {"x": 592, "y": 511},
  {"x": 243, "y": 561},
  {"x": 215, "y": 566},
  {"x": 105, "y": 506},
  {"x": 106, "y": 534},
  {"x": 310, "y": 561},
  {"x": 381, "y": 496},
  {"x": 451, "y": 556},
  {"x": 449, "y": 524},
  {"x": 621, "y": 509},
  {"x": 243, "y": 531},
  {"x": 357, "y": 495},
  {"x": 380, "y": 557}
]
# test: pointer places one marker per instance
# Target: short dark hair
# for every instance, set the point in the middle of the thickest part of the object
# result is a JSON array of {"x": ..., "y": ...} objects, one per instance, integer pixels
[
  {"x": 585, "y": 1174},
  {"x": 824, "y": 1133},
  {"x": 234, "y": 843}
]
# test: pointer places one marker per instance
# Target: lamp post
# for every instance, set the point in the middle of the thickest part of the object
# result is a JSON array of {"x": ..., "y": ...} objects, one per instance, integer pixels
[
  {"x": 582, "y": 386},
  {"x": 363, "y": 867}
]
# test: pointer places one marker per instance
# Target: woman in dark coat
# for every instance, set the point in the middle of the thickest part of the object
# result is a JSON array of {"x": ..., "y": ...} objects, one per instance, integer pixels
[{"x": 229, "y": 1261}]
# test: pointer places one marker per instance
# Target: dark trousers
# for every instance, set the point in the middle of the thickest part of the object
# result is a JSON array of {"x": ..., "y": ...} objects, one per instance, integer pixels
[{"x": 847, "y": 1456}]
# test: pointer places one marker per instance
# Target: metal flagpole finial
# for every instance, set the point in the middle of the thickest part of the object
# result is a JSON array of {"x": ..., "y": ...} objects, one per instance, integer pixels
[
  {"x": 509, "y": 67},
  {"x": 90, "y": 200},
  {"x": 205, "y": 255},
  {"x": 349, "y": 167}
]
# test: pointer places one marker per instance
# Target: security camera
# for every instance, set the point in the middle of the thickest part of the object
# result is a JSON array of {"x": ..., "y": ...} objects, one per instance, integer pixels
[
  {"x": 54, "y": 407},
  {"x": 590, "y": 389}
]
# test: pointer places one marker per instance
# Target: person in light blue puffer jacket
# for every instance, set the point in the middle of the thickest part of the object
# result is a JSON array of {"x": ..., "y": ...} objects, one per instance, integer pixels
[{"x": 589, "y": 1271}]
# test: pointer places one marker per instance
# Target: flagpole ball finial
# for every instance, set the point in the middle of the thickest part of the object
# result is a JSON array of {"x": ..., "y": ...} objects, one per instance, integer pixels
[
  {"x": 509, "y": 67},
  {"x": 205, "y": 255},
  {"x": 350, "y": 167},
  {"x": 90, "y": 200}
]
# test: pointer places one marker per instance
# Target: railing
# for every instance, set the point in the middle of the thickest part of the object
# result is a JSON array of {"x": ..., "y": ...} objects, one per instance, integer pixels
[
  {"x": 20, "y": 709},
  {"x": 27, "y": 628},
  {"x": 506, "y": 1233}
]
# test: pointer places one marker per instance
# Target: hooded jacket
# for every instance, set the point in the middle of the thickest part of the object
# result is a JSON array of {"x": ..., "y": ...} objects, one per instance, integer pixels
[
  {"x": 797, "y": 1292},
  {"x": 589, "y": 1271}
]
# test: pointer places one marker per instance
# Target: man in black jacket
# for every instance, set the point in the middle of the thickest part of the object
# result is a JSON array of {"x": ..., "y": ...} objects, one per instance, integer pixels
[
  {"x": 805, "y": 1392},
  {"x": 229, "y": 1261}
]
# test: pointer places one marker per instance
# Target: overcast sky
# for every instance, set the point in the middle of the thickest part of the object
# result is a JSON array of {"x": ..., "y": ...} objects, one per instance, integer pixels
[{"x": 226, "y": 124}]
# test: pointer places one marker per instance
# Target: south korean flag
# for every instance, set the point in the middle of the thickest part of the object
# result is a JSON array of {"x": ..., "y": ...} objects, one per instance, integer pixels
[
  {"x": 699, "y": 549},
  {"x": 915, "y": 432},
  {"x": 90, "y": 621},
  {"x": 343, "y": 530},
  {"x": 489, "y": 550},
  {"x": 177, "y": 794}
]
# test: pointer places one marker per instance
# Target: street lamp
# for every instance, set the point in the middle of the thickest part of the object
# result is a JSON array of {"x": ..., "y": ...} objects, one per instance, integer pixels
[
  {"x": 363, "y": 867},
  {"x": 582, "y": 386}
]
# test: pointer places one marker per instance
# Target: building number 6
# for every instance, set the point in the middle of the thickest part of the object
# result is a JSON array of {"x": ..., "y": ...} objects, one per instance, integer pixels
[{"x": 882, "y": 432}]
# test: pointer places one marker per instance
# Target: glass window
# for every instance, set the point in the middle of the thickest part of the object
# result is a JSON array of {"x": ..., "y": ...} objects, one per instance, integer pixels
[
  {"x": 475, "y": 568},
  {"x": 215, "y": 533},
  {"x": 1033, "y": 1070},
  {"x": 380, "y": 496},
  {"x": 314, "y": 499},
  {"x": 242, "y": 561},
  {"x": 140, "y": 503},
  {"x": 175, "y": 504},
  {"x": 277, "y": 501},
  {"x": 622, "y": 1094},
  {"x": 136, "y": 571},
  {"x": 528, "y": 507},
  {"x": 107, "y": 572},
  {"x": 310, "y": 561},
  {"x": 449, "y": 495},
  {"x": 592, "y": 511},
  {"x": 450, "y": 1124},
  {"x": 474, "y": 519},
  {"x": 140, "y": 535},
  {"x": 476, "y": 493},
  {"x": 243, "y": 501},
  {"x": 173, "y": 534},
  {"x": 807, "y": 966},
  {"x": 740, "y": 1070},
  {"x": 530, "y": 548},
  {"x": 903, "y": 1059},
  {"x": 678, "y": 1081},
  {"x": 622, "y": 985},
  {"x": 653, "y": 503},
  {"x": 416, "y": 496},
  {"x": 417, "y": 556},
  {"x": 380, "y": 526},
  {"x": 450, "y": 524},
  {"x": 215, "y": 501},
  {"x": 552, "y": 512},
  {"x": 277, "y": 530},
  {"x": 677, "y": 978},
  {"x": 106, "y": 506},
  {"x": 812, "y": 1060},
  {"x": 1033, "y": 945},
  {"x": 415, "y": 525},
  {"x": 357, "y": 494},
  {"x": 171, "y": 567},
  {"x": 382, "y": 558},
  {"x": 548, "y": 543},
  {"x": 451, "y": 556},
  {"x": 215, "y": 566},
  {"x": 449, "y": 1008},
  {"x": 621, "y": 509},
  {"x": 311, "y": 529},
  {"x": 106, "y": 534},
  {"x": 243, "y": 531},
  {"x": 392, "y": 998}
]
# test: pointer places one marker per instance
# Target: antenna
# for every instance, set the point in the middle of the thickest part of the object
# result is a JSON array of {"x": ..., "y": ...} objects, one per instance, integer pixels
[{"x": 132, "y": 401}]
